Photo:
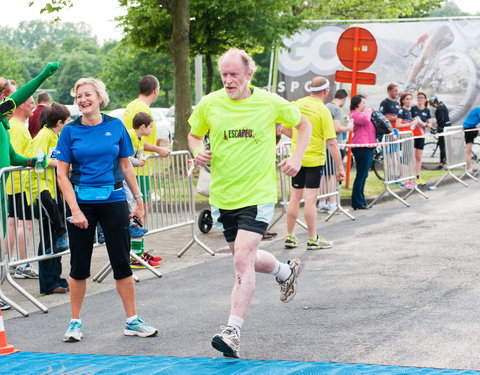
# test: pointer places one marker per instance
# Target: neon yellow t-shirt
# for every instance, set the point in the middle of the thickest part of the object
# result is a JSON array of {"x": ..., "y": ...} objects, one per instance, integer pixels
[
  {"x": 21, "y": 141},
  {"x": 242, "y": 140},
  {"x": 322, "y": 128},
  {"x": 139, "y": 149},
  {"x": 46, "y": 141},
  {"x": 134, "y": 107},
  {"x": 138, "y": 144}
]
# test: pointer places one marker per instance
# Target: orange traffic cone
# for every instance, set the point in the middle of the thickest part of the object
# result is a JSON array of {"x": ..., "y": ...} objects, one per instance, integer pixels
[{"x": 4, "y": 347}]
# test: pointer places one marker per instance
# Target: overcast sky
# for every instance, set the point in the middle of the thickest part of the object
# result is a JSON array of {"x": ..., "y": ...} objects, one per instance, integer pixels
[{"x": 100, "y": 14}]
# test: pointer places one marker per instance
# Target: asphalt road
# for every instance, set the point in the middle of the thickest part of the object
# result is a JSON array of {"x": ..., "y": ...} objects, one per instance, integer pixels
[{"x": 401, "y": 286}]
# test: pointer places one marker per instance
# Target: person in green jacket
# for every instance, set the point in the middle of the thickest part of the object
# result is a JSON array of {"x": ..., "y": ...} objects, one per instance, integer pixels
[{"x": 8, "y": 156}]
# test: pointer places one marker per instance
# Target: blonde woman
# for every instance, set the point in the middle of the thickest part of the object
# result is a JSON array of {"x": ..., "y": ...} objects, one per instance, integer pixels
[{"x": 97, "y": 148}]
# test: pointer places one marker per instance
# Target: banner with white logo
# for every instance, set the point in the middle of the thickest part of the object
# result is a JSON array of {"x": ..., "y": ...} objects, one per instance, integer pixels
[{"x": 439, "y": 58}]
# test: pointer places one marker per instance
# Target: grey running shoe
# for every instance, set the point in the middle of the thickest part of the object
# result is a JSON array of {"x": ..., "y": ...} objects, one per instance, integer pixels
[
  {"x": 139, "y": 328},
  {"x": 27, "y": 272},
  {"x": 319, "y": 243},
  {"x": 227, "y": 342},
  {"x": 291, "y": 241},
  {"x": 4, "y": 306},
  {"x": 288, "y": 288},
  {"x": 324, "y": 208},
  {"x": 74, "y": 332}
]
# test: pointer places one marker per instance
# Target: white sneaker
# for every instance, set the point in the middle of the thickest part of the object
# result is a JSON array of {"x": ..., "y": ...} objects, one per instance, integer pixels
[
  {"x": 288, "y": 288},
  {"x": 333, "y": 208},
  {"x": 73, "y": 333},
  {"x": 139, "y": 328},
  {"x": 227, "y": 342},
  {"x": 27, "y": 272},
  {"x": 324, "y": 208}
]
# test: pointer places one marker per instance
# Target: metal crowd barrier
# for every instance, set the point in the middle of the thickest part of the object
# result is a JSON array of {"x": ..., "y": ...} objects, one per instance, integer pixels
[
  {"x": 20, "y": 236},
  {"x": 329, "y": 186},
  {"x": 399, "y": 165},
  {"x": 455, "y": 154},
  {"x": 171, "y": 204}
]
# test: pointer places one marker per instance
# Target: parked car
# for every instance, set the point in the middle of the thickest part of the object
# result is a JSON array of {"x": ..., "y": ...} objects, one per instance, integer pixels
[
  {"x": 164, "y": 130},
  {"x": 74, "y": 111},
  {"x": 161, "y": 109},
  {"x": 170, "y": 116}
]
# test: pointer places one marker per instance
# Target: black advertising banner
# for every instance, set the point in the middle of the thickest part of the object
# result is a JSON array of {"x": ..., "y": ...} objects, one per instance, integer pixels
[{"x": 437, "y": 57}]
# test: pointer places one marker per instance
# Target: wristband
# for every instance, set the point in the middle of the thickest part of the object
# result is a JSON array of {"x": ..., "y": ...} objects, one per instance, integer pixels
[
  {"x": 139, "y": 195},
  {"x": 197, "y": 150},
  {"x": 76, "y": 213}
]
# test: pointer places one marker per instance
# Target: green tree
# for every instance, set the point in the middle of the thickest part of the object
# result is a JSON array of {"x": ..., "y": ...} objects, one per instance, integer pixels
[
  {"x": 448, "y": 9},
  {"x": 75, "y": 65},
  {"x": 174, "y": 18},
  {"x": 30, "y": 34},
  {"x": 163, "y": 24},
  {"x": 216, "y": 26},
  {"x": 364, "y": 9},
  {"x": 10, "y": 65},
  {"x": 124, "y": 66}
]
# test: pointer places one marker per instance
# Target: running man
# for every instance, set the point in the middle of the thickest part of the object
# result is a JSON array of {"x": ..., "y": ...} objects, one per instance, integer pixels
[
  {"x": 243, "y": 192},
  {"x": 306, "y": 183}
]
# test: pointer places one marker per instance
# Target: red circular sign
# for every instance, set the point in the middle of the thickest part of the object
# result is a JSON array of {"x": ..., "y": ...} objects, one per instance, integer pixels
[{"x": 357, "y": 46}]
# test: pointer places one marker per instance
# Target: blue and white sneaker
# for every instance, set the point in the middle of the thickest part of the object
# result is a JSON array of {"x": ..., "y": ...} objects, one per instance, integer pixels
[
  {"x": 61, "y": 244},
  {"x": 25, "y": 271},
  {"x": 136, "y": 231},
  {"x": 139, "y": 328},
  {"x": 74, "y": 332}
]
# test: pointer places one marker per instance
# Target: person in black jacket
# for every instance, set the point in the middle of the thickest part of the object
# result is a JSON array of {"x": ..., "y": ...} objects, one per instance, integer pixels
[{"x": 443, "y": 119}]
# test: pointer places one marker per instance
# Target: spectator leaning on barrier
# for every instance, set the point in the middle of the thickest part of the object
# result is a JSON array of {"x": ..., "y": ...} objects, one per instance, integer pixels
[
  {"x": 390, "y": 106},
  {"x": 149, "y": 88},
  {"x": 142, "y": 128},
  {"x": 19, "y": 212},
  {"x": 443, "y": 119},
  {"x": 335, "y": 107},
  {"x": 364, "y": 133},
  {"x": 469, "y": 125},
  {"x": 243, "y": 192},
  {"x": 34, "y": 122},
  {"x": 97, "y": 147},
  {"x": 43, "y": 186},
  {"x": 307, "y": 181},
  {"x": 405, "y": 122},
  {"x": 421, "y": 112}
]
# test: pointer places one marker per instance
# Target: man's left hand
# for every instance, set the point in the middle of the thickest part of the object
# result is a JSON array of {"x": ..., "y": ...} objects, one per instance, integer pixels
[{"x": 290, "y": 166}]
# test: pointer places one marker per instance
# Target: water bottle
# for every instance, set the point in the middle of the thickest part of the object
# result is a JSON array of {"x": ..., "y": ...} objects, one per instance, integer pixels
[{"x": 38, "y": 164}]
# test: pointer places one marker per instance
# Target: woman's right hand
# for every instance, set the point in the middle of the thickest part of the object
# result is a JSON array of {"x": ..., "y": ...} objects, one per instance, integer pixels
[{"x": 79, "y": 220}]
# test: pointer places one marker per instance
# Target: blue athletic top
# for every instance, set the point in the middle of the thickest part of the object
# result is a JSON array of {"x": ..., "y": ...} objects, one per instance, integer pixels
[
  {"x": 473, "y": 119},
  {"x": 424, "y": 114},
  {"x": 389, "y": 107},
  {"x": 94, "y": 152}
]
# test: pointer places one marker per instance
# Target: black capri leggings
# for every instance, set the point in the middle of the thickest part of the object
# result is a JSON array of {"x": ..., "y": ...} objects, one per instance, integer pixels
[{"x": 114, "y": 219}]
